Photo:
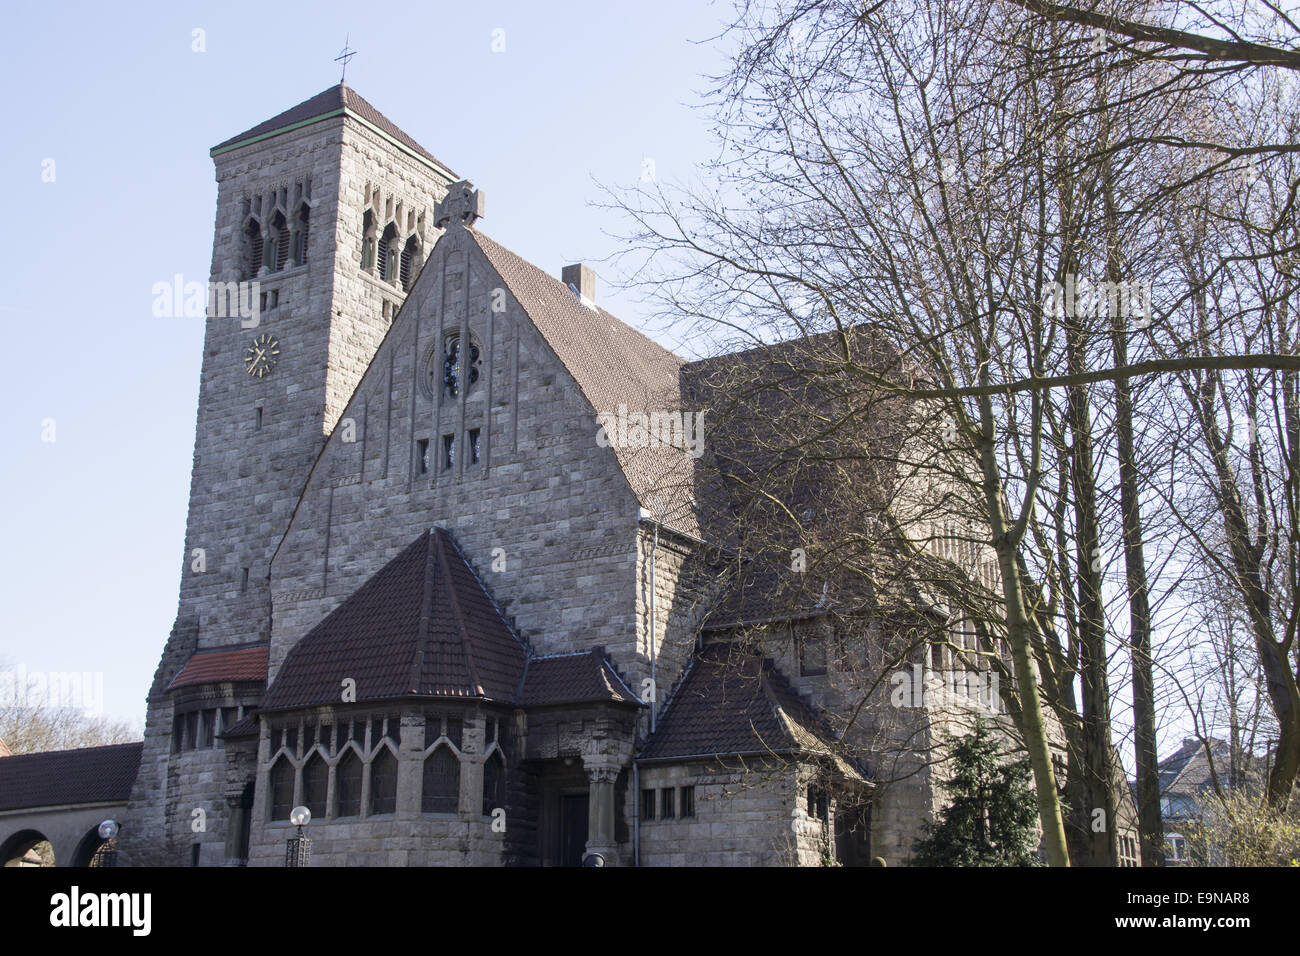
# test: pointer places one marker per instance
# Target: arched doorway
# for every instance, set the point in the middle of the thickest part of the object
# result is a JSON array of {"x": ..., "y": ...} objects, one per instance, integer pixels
[{"x": 27, "y": 848}]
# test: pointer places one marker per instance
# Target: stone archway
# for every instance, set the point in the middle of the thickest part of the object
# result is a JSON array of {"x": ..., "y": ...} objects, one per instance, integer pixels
[{"x": 27, "y": 848}]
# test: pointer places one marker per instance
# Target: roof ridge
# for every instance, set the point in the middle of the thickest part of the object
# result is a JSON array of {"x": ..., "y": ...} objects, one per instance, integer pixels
[
  {"x": 608, "y": 665},
  {"x": 765, "y": 669},
  {"x": 426, "y": 614},
  {"x": 477, "y": 683},
  {"x": 484, "y": 588},
  {"x": 680, "y": 683},
  {"x": 821, "y": 728},
  {"x": 69, "y": 750}
]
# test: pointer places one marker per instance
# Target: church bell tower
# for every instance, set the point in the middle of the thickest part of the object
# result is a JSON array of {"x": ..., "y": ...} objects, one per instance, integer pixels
[{"x": 324, "y": 216}]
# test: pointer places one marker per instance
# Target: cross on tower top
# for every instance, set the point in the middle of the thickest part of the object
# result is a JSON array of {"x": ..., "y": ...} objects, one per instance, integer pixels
[
  {"x": 463, "y": 203},
  {"x": 346, "y": 54}
]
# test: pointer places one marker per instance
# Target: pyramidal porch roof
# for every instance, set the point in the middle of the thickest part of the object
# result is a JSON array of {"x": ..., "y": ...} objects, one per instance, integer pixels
[{"x": 422, "y": 626}]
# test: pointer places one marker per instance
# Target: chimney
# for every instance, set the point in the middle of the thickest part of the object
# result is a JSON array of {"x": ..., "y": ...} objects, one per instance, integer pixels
[{"x": 582, "y": 280}]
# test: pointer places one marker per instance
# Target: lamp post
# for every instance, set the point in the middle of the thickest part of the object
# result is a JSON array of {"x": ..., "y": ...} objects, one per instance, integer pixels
[
  {"x": 297, "y": 851},
  {"x": 107, "y": 854}
]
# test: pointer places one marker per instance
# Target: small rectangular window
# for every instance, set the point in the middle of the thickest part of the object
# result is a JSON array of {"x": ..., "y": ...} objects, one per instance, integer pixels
[
  {"x": 648, "y": 804},
  {"x": 667, "y": 808},
  {"x": 258, "y": 416},
  {"x": 686, "y": 802},
  {"x": 473, "y": 446},
  {"x": 243, "y": 579},
  {"x": 448, "y": 452},
  {"x": 422, "y": 456},
  {"x": 812, "y": 656}
]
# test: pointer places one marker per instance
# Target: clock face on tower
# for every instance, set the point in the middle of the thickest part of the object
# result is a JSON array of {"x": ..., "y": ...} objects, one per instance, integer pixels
[{"x": 261, "y": 357}]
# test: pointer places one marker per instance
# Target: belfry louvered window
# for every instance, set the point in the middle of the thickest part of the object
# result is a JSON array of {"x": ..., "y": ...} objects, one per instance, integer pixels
[
  {"x": 253, "y": 232},
  {"x": 388, "y": 254},
  {"x": 410, "y": 254},
  {"x": 368, "y": 241},
  {"x": 301, "y": 234},
  {"x": 280, "y": 241}
]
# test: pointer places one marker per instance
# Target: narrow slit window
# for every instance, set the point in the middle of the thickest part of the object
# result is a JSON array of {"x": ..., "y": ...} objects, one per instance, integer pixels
[
  {"x": 667, "y": 811},
  {"x": 422, "y": 456},
  {"x": 648, "y": 804},
  {"x": 686, "y": 803},
  {"x": 258, "y": 416},
  {"x": 474, "y": 446},
  {"x": 243, "y": 579},
  {"x": 448, "y": 452}
]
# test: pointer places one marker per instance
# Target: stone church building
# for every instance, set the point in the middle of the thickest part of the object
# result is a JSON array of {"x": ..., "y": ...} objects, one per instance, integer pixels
[{"x": 428, "y": 594}]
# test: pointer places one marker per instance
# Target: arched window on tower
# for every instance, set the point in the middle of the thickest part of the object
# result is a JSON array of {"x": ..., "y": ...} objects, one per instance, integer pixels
[
  {"x": 279, "y": 252},
  {"x": 494, "y": 782},
  {"x": 315, "y": 783},
  {"x": 281, "y": 788},
  {"x": 388, "y": 254},
  {"x": 441, "y": 781},
  {"x": 301, "y": 232},
  {"x": 347, "y": 781},
  {"x": 410, "y": 262},
  {"x": 253, "y": 248},
  {"x": 368, "y": 241},
  {"x": 383, "y": 782}
]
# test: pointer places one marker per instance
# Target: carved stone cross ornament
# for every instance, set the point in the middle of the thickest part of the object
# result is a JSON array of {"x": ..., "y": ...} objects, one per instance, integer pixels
[{"x": 463, "y": 203}]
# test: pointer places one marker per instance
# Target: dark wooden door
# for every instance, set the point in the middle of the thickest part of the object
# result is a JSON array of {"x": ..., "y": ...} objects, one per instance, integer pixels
[{"x": 573, "y": 828}]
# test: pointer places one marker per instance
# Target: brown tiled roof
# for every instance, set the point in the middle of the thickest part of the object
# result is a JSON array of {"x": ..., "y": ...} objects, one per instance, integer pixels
[
  {"x": 58, "y": 777},
  {"x": 581, "y": 678},
  {"x": 327, "y": 102},
  {"x": 422, "y": 626},
  {"x": 219, "y": 665},
  {"x": 614, "y": 365},
  {"x": 732, "y": 702}
]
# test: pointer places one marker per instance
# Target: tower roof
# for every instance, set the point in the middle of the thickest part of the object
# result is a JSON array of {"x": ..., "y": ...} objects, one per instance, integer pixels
[{"x": 336, "y": 101}]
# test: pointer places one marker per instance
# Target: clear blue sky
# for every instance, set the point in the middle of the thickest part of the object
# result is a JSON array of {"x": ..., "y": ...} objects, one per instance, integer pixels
[{"x": 92, "y": 524}]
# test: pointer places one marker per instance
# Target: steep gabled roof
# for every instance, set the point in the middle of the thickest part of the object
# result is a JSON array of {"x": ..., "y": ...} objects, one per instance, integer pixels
[
  {"x": 732, "y": 702},
  {"x": 614, "y": 365},
  {"x": 58, "y": 777},
  {"x": 422, "y": 626},
  {"x": 334, "y": 101}
]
